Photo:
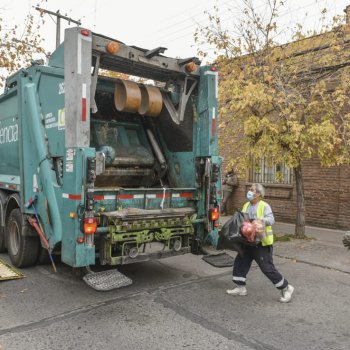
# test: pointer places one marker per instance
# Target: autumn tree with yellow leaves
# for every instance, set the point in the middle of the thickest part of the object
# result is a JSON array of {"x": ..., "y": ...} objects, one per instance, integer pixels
[
  {"x": 284, "y": 103},
  {"x": 18, "y": 45}
]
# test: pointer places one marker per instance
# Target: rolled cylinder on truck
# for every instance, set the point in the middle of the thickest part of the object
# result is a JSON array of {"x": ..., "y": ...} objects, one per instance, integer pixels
[
  {"x": 137, "y": 98},
  {"x": 151, "y": 101},
  {"x": 127, "y": 96}
]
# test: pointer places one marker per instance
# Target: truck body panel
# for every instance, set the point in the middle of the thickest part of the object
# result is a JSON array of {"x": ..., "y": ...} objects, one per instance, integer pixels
[{"x": 104, "y": 184}]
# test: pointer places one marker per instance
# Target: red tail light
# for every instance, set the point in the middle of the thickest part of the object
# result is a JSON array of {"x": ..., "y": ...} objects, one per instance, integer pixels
[
  {"x": 90, "y": 226},
  {"x": 214, "y": 214}
]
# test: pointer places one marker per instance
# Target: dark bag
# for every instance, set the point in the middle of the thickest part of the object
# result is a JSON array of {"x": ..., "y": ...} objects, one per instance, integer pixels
[{"x": 230, "y": 236}]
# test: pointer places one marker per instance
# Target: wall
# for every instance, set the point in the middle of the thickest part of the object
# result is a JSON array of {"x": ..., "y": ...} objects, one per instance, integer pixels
[
  {"x": 327, "y": 196},
  {"x": 327, "y": 190}
]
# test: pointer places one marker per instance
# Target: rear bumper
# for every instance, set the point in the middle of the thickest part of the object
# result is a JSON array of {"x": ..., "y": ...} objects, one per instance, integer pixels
[{"x": 153, "y": 256}]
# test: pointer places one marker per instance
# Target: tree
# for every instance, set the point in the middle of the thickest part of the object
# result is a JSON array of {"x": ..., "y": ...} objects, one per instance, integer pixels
[
  {"x": 285, "y": 103},
  {"x": 19, "y": 45}
]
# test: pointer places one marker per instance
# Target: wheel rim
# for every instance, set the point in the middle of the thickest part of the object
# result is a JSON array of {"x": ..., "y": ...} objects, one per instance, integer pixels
[{"x": 14, "y": 237}]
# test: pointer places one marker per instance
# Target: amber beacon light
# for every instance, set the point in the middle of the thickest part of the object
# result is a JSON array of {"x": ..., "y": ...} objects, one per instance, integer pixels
[
  {"x": 191, "y": 67},
  {"x": 112, "y": 47}
]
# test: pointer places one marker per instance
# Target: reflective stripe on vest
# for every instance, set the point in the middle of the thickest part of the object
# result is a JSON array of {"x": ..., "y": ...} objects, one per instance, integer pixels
[{"x": 260, "y": 215}]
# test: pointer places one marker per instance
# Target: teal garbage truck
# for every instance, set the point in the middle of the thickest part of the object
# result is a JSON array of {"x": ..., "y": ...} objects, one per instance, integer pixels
[{"x": 108, "y": 151}]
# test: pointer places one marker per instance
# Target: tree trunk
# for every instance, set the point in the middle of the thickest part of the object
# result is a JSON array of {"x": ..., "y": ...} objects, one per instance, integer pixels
[{"x": 300, "y": 222}]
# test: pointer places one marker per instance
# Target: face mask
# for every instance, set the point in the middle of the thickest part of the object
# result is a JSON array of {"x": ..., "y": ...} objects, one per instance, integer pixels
[{"x": 250, "y": 195}]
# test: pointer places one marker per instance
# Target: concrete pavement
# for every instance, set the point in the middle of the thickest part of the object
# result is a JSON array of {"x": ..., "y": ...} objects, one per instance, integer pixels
[
  {"x": 319, "y": 233},
  {"x": 180, "y": 303},
  {"x": 325, "y": 250}
]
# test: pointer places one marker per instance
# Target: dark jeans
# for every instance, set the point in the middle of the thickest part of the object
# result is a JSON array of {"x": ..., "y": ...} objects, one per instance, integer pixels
[{"x": 263, "y": 257}]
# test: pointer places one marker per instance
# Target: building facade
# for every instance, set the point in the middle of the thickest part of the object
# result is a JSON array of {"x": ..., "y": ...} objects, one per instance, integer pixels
[
  {"x": 327, "y": 195},
  {"x": 326, "y": 190}
]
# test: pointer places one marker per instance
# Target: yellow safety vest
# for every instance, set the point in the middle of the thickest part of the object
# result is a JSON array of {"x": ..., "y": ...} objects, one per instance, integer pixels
[{"x": 260, "y": 215}]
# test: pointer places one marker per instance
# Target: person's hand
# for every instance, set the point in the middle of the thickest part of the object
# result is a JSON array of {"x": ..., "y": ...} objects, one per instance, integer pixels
[{"x": 259, "y": 225}]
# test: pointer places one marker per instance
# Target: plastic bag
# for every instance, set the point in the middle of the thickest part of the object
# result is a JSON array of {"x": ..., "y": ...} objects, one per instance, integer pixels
[
  {"x": 230, "y": 236},
  {"x": 260, "y": 229},
  {"x": 249, "y": 231}
]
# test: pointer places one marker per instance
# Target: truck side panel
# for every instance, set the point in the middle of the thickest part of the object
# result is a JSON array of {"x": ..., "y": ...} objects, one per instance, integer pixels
[{"x": 9, "y": 141}]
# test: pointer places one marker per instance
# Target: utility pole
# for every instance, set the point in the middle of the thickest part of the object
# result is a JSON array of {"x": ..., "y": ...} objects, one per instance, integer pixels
[{"x": 58, "y": 22}]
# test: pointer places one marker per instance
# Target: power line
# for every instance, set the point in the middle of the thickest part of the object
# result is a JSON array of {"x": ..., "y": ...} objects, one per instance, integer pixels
[
  {"x": 192, "y": 18},
  {"x": 193, "y": 15},
  {"x": 180, "y": 13},
  {"x": 283, "y": 14}
]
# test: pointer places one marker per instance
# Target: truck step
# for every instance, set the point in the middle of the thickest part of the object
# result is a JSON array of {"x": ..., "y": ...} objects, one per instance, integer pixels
[{"x": 106, "y": 280}]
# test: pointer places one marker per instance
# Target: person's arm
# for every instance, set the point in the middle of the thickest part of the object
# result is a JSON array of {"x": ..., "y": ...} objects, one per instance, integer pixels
[
  {"x": 232, "y": 180},
  {"x": 268, "y": 215}
]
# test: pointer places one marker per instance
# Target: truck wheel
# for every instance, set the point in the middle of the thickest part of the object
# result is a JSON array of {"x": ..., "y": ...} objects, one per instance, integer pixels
[
  {"x": 43, "y": 258},
  {"x": 2, "y": 230},
  {"x": 2, "y": 241},
  {"x": 22, "y": 246}
]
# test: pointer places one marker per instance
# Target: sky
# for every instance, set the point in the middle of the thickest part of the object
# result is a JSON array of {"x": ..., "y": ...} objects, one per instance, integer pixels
[{"x": 153, "y": 23}]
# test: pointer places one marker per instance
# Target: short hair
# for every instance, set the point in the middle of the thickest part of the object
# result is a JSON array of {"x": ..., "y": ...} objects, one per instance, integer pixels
[{"x": 260, "y": 189}]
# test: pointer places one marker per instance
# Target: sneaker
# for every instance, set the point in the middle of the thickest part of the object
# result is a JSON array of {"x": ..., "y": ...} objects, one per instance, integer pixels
[
  {"x": 237, "y": 291},
  {"x": 287, "y": 294}
]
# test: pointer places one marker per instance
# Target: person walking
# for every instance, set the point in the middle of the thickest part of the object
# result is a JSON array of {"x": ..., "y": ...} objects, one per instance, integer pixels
[
  {"x": 229, "y": 183},
  {"x": 261, "y": 252}
]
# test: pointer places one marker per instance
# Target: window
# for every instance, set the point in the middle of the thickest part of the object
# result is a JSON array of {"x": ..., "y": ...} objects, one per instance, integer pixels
[{"x": 266, "y": 172}]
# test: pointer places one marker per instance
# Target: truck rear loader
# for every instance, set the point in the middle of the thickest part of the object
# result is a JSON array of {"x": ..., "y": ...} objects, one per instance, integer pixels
[{"x": 108, "y": 155}]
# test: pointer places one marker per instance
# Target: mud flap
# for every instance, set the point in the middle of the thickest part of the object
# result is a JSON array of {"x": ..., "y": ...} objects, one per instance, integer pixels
[{"x": 106, "y": 280}]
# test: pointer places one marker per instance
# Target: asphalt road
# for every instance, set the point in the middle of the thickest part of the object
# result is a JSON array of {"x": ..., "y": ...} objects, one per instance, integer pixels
[{"x": 180, "y": 303}]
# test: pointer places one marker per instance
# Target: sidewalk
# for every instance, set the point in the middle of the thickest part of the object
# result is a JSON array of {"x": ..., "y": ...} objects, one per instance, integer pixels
[
  {"x": 325, "y": 251},
  {"x": 319, "y": 233}
]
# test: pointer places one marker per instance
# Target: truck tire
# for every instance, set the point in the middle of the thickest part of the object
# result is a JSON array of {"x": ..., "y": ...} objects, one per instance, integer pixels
[
  {"x": 2, "y": 240},
  {"x": 2, "y": 215},
  {"x": 22, "y": 246},
  {"x": 43, "y": 256}
]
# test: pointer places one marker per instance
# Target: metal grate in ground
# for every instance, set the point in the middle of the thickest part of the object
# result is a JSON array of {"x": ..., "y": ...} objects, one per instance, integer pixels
[{"x": 219, "y": 260}]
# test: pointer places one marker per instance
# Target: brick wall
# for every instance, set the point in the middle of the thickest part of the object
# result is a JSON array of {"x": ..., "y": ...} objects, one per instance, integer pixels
[{"x": 327, "y": 196}]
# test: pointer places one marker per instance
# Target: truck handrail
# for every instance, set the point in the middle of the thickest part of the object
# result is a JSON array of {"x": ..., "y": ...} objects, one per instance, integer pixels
[{"x": 37, "y": 132}]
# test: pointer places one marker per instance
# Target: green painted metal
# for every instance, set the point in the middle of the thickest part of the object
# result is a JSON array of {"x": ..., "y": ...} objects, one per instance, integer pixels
[
  {"x": 53, "y": 224},
  {"x": 45, "y": 154},
  {"x": 9, "y": 134},
  {"x": 74, "y": 253},
  {"x": 126, "y": 235}
]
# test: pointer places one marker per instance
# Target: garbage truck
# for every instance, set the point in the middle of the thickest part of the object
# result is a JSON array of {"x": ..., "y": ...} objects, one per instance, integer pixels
[{"x": 109, "y": 155}]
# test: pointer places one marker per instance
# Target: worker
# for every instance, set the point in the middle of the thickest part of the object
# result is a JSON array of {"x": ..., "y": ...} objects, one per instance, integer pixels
[
  {"x": 261, "y": 252},
  {"x": 229, "y": 183}
]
